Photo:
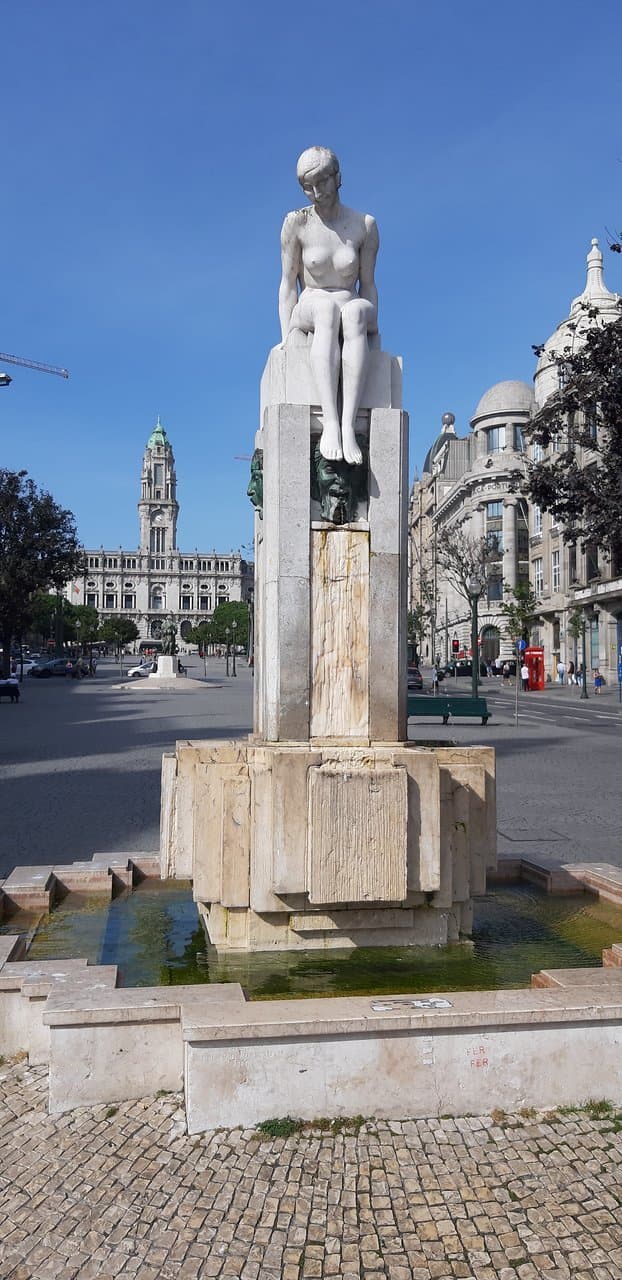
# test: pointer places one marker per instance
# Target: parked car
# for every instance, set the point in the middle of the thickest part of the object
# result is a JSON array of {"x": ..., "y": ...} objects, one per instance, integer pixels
[
  {"x": 415, "y": 680},
  {"x": 143, "y": 669},
  {"x": 58, "y": 667},
  {"x": 25, "y": 667},
  {"x": 463, "y": 667}
]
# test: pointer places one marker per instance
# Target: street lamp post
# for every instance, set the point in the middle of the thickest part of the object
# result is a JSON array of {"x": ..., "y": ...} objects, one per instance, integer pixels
[
  {"x": 583, "y": 693},
  {"x": 234, "y": 629},
  {"x": 475, "y": 587},
  {"x": 227, "y": 634}
]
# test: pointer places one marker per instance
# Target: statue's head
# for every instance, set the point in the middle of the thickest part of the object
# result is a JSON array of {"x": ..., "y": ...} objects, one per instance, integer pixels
[
  {"x": 337, "y": 486},
  {"x": 318, "y": 173},
  {"x": 255, "y": 484}
]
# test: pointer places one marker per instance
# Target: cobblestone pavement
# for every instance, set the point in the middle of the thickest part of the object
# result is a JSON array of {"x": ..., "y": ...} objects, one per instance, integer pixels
[{"x": 123, "y": 1191}]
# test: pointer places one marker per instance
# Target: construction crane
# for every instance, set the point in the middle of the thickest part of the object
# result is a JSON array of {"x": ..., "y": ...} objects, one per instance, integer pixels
[{"x": 5, "y": 378}]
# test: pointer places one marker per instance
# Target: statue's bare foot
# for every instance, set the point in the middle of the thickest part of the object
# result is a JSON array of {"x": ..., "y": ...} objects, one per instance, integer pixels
[
  {"x": 351, "y": 451},
  {"x": 330, "y": 442}
]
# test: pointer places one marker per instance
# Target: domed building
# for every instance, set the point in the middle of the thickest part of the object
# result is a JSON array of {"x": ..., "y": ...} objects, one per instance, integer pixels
[
  {"x": 574, "y": 581},
  {"x": 466, "y": 487},
  {"x": 155, "y": 578}
]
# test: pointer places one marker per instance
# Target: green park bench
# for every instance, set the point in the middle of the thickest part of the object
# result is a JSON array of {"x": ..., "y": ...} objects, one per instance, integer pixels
[{"x": 444, "y": 705}]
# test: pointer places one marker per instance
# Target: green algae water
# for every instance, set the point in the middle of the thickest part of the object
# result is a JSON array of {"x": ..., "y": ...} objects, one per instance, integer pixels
[{"x": 154, "y": 936}]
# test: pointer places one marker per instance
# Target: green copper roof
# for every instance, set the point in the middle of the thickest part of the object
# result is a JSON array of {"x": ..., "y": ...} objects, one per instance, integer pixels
[{"x": 158, "y": 436}]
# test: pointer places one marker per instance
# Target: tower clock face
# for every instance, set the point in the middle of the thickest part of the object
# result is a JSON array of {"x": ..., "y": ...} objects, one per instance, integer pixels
[{"x": 158, "y": 516}]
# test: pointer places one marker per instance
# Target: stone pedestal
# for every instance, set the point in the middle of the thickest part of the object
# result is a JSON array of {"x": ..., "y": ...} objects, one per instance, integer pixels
[
  {"x": 326, "y": 828},
  {"x": 166, "y": 669},
  {"x": 298, "y": 846}
]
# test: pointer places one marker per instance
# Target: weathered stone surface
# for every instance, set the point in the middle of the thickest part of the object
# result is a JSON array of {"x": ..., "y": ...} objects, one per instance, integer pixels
[
  {"x": 339, "y": 634},
  {"x": 358, "y": 832},
  {"x": 538, "y": 1194}
]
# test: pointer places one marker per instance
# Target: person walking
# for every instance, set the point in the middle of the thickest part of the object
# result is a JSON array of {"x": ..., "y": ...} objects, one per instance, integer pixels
[
  {"x": 572, "y": 679},
  {"x": 506, "y": 673},
  {"x": 435, "y": 679},
  {"x": 598, "y": 681},
  {"x": 561, "y": 670},
  {"x": 524, "y": 675}
]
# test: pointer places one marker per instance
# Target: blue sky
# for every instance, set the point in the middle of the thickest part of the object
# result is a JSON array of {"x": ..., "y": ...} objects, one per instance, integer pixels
[{"x": 149, "y": 153}]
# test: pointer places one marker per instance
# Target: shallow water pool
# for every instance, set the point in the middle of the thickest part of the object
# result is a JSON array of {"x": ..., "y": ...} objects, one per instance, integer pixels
[{"x": 154, "y": 936}]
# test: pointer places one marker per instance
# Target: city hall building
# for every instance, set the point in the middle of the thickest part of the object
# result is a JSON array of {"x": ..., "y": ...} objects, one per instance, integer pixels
[{"x": 156, "y": 579}]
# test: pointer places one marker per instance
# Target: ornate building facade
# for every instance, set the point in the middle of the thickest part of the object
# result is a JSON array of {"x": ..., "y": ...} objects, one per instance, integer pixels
[
  {"x": 466, "y": 488},
  {"x": 574, "y": 581},
  {"x": 156, "y": 578},
  {"x": 468, "y": 483}
]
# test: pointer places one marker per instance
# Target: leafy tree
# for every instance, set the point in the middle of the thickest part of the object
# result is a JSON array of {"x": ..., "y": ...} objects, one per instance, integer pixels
[
  {"x": 119, "y": 631},
  {"x": 202, "y": 635},
  {"x": 460, "y": 555},
  {"x": 580, "y": 483},
  {"x": 82, "y": 623},
  {"x": 39, "y": 549},
  {"x": 519, "y": 613},
  {"x": 224, "y": 616}
]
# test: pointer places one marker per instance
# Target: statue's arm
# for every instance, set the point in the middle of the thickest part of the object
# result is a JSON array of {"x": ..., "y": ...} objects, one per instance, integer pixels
[
  {"x": 291, "y": 268},
  {"x": 367, "y": 263}
]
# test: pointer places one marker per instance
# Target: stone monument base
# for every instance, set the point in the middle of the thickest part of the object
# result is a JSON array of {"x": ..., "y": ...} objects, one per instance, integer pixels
[
  {"x": 299, "y": 846},
  {"x": 166, "y": 669}
]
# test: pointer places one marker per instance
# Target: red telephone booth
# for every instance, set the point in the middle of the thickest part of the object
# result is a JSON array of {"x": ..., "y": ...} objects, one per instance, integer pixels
[{"x": 534, "y": 659}]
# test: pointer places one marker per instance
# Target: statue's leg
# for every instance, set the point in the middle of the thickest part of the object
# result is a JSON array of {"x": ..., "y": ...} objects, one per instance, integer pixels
[
  {"x": 356, "y": 317},
  {"x": 325, "y": 355}
]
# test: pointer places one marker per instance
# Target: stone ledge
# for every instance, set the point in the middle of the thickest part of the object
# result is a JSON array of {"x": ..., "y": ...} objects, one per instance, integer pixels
[
  {"x": 135, "y": 1004},
  {"x": 339, "y": 1016}
]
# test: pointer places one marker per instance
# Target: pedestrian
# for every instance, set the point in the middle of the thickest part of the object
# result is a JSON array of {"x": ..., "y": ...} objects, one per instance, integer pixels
[
  {"x": 598, "y": 681},
  {"x": 435, "y": 679},
  {"x": 488, "y": 668},
  {"x": 498, "y": 665},
  {"x": 524, "y": 675},
  {"x": 561, "y": 670},
  {"x": 506, "y": 673},
  {"x": 572, "y": 679}
]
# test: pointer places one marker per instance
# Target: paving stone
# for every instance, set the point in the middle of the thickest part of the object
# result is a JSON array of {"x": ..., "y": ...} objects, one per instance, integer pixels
[{"x": 92, "y": 1198}]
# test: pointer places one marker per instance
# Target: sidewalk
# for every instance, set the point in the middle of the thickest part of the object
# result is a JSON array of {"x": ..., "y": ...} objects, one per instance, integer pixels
[{"x": 122, "y": 1191}]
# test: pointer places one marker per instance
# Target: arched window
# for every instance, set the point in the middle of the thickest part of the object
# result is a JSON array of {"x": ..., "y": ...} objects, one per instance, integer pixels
[{"x": 490, "y": 644}]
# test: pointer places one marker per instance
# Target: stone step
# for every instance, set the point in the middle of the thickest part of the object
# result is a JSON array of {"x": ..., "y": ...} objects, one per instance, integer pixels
[
  {"x": 577, "y": 978},
  {"x": 30, "y": 888},
  {"x": 12, "y": 947},
  {"x": 601, "y": 877},
  {"x": 612, "y": 956}
]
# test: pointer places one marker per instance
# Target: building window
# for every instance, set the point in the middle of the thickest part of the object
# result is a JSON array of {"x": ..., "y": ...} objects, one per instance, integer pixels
[
  {"x": 205, "y": 603},
  {"x": 591, "y": 562},
  {"x": 555, "y": 571},
  {"x": 495, "y": 586},
  {"x": 572, "y": 564},
  {"x": 519, "y": 439},
  {"x": 537, "y": 521},
  {"x": 110, "y": 600},
  {"x": 187, "y": 565},
  {"x": 129, "y": 562},
  {"x": 495, "y": 439},
  {"x": 91, "y": 599},
  {"x": 157, "y": 601},
  {"x": 128, "y": 601},
  {"x": 186, "y": 603},
  {"x": 537, "y": 453},
  {"x": 158, "y": 540},
  {"x": 93, "y": 562},
  {"x": 538, "y": 576},
  {"x": 111, "y": 562},
  {"x": 494, "y": 510}
]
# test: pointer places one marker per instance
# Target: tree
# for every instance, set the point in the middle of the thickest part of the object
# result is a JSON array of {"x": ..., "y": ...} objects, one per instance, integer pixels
[
  {"x": 520, "y": 612},
  {"x": 461, "y": 556},
  {"x": 39, "y": 549},
  {"x": 224, "y": 616},
  {"x": 119, "y": 631},
  {"x": 581, "y": 482}
]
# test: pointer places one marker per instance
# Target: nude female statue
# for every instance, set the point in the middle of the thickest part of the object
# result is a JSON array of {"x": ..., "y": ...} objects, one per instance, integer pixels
[{"x": 327, "y": 250}]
